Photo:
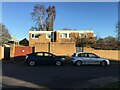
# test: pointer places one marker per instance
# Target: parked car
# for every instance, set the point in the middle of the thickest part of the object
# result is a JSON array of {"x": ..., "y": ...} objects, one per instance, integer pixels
[
  {"x": 44, "y": 58},
  {"x": 82, "y": 58}
]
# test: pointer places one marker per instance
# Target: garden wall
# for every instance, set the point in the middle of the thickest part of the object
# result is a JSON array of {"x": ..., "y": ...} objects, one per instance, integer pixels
[{"x": 110, "y": 54}]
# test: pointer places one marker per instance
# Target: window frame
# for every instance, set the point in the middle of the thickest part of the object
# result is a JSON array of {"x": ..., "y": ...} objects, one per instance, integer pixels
[
  {"x": 47, "y": 35},
  {"x": 65, "y": 35},
  {"x": 35, "y": 36}
]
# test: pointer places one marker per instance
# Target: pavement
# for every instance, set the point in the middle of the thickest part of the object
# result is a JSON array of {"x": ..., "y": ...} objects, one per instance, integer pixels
[
  {"x": 94, "y": 83},
  {"x": 98, "y": 83},
  {"x": 12, "y": 82}
]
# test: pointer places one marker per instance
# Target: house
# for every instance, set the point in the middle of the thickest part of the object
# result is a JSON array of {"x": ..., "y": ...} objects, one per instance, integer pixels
[
  {"x": 59, "y": 39},
  {"x": 60, "y": 36}
]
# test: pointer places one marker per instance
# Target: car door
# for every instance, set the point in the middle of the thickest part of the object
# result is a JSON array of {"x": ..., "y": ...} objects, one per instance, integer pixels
[
  {"x": 94, "y": 59},
  {"x": 84, "y": 57},
  {"x": 48, "y": 58},
  {"x": 40, "y": 58}
]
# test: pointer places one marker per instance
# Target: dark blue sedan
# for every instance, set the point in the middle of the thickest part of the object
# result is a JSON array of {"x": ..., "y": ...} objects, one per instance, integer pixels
[{"x": 44, "y": 58}]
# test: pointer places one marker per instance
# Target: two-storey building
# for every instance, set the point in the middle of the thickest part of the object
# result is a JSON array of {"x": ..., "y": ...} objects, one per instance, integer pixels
[
  {"x": 57, "y": 41},
  {"x": 59, "y": 36}
]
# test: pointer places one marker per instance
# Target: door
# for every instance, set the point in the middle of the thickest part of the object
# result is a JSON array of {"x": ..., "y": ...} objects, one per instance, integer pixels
[
  {"x": 94, "y": 59},
  {"x": 48, "y": 58},
  {"x": 84, "y": 57},
  {"x": 40, "y": 58},
  {"x": 6, "y": 53}
]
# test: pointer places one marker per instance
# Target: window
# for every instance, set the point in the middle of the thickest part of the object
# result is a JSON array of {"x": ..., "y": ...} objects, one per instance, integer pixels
[
  {"x": 47, "y": 54},
  {"x": 85, "y": 35},
  {"x": 65, "y": 35},
  {"x": 92, "y": 55},
  {"x": 82, "y": 35},
  {"x": 35, "y": 35},
  {"x": 48, "y": 36},
  {"x": 82, "y": 55},
  {"x": 69, "y": 36},
  {"x": 39, "y": 54},
  {"x": 61, "y": 35}
]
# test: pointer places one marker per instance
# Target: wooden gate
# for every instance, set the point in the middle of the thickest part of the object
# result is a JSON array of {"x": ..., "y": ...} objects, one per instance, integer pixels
[{"x": 6, "y": 53}]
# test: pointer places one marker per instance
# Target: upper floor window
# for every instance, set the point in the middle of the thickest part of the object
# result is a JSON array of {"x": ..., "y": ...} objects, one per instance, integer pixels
[
  {"x": 35, "y": 35},
  {"x": 83, "y": 35},
  {"x": 64, "y": 35},
  {"x": 48, "y": 35}
]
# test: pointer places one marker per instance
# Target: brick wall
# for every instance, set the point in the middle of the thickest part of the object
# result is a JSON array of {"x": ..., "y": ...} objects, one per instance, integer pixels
[
  {"x": 110, "y": 54},
  {"x": 22, "y": 50},
  {"x": 1, "y": 52},
  {"x": 42, "y": 47},
  {"x": 66, "y": 49},
  {"x": 19, "y": 52}
]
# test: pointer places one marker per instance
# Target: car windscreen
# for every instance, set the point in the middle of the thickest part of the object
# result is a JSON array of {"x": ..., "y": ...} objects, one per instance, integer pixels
[{"x": 74, "y": 54}]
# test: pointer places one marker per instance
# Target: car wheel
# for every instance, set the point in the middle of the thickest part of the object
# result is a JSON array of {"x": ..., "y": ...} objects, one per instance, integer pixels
[
  {"x": 103, "y": 63},
  {"x": 32, "y": 63},
  {"x": 58, "y": 63},
  {"x": 78, "y": 63}
]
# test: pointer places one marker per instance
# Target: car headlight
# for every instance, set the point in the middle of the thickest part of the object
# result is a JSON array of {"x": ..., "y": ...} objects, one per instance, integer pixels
[
  {"x": 26, "y": 57},
  {"x": 72, "y": 59}
]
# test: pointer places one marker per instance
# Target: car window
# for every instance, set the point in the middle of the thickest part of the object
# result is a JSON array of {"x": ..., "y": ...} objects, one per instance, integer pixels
[
  {"x": 82, "y": 55},
  {"x": 39, "y": 54},
  {"x": 92, "y": 55},
  {"x": 47, "y": 54},
  {"x": 74, "y": 54}
]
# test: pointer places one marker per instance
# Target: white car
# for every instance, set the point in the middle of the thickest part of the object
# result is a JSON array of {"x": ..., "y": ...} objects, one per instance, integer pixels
[{"x": 82, "y": 58}]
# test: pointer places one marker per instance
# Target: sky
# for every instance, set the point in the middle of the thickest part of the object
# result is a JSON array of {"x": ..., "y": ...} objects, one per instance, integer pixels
[{"x": 101, "y": 17}]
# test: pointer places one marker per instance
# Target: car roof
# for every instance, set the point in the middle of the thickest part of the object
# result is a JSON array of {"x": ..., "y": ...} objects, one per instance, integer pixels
[
  {"x": 44, "y": 52},
  {"x": 83, "y": 52}
]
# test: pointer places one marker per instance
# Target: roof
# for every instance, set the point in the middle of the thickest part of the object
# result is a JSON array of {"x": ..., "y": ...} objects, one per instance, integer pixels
[
  {"x": 64, "y": 31},
  {"x": 83, "y": 52}
]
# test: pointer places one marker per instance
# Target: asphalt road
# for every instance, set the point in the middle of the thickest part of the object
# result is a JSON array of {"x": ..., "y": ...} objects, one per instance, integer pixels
[{"x": 66, "y": 76}]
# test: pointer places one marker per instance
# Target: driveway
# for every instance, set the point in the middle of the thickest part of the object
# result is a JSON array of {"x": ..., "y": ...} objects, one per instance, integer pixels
[{"x": 66, "y": 76}]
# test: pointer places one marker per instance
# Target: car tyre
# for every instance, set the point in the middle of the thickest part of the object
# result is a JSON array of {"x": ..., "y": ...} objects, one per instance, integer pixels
[
  {"x": 103, "y": 63},
  {"x": 78, "y": 63},
  {"x": 58, "y": 63},
  {"x": 32, "y": 63}
]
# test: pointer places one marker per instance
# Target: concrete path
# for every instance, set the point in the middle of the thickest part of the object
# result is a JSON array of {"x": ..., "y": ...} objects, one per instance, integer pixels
[
  {"x": 12, "y": 82},
  {"x": 98, "y": 83},
  {"x": 94, "y": 83}
]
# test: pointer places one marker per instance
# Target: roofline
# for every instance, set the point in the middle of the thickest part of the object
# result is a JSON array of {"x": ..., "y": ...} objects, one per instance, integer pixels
[
  {"x": 77, "y": 31},
  {"x": 40, "y": 31},
  {"x": 63, "y": 31}
]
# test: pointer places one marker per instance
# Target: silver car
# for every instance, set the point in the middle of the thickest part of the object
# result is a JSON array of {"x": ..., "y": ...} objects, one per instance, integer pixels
[{"x": 82, "y": 58}]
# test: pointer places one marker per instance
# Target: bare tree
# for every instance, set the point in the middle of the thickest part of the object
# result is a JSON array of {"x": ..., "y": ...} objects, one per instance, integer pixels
[
  {"x": 118, "y": 30},
  {"x": 38, "y": 15},
  {"x": 4, "y": 34},
  {"x": 44, "y": 17},
  {"x": 51, "y": 15}
]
